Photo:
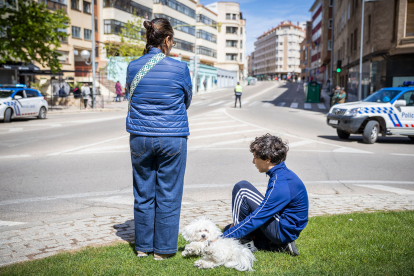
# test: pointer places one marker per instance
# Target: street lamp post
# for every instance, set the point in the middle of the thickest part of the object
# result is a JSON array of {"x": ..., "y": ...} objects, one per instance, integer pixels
[{"x": 361, "y": 48}]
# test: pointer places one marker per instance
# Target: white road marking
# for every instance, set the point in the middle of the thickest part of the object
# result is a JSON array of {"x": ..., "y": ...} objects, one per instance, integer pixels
[
  {"x": 294, "y": 105},
  {"x": 205, "y": 118},
  {"x": 14, "y": 156},
  {"x": 254, "y": 103},
  {"x": 265, "y": 104},
  {"x": 284, "y": 134},
  {"x": 209, "y": 123},
  {"x": 308, "y": 106},
  {"x": 10, "y": 223},
  {"x": 216, "y": 103},
  {"x": 228, "y": 103},
  {"x": 350, "y": 150},
  {"x": 300, "y": 143},
  {"x": 264, "y": 91},
  {"x": 214, "y": 128},
  {"x": 87, "y": 146},
  {"x": 224, "y": 143},
  {"x": 222, "y": 134},
  {"x": 281, "y": 104},
  {"x": 321, "y": 106},
  {"x": 17, "y": 129},
  {"x": 388, "y": 189},
  {"x": 98, "y": 120},
  {"x": 402, "y": 154},
  {"x": 245, "y": 102}
]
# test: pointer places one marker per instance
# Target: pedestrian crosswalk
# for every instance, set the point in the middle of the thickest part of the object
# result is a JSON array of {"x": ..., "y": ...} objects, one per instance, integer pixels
[{"x": 261, "y": 103}]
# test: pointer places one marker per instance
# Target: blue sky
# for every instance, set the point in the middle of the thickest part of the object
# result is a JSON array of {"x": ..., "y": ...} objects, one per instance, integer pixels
[{"x": 262, "y": 15}]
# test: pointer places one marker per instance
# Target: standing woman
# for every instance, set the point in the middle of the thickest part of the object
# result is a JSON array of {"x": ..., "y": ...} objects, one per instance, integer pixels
[{"x": 158, "y": 125}]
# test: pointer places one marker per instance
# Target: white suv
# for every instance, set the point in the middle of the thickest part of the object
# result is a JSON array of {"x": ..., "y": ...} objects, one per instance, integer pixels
[
  {"x": 20, "y": 101},
  {"x": 389, "y": 111}
]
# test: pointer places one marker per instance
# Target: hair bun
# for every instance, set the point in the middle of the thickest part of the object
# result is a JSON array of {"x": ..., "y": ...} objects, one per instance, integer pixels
[{"x": 148, "y": 25}]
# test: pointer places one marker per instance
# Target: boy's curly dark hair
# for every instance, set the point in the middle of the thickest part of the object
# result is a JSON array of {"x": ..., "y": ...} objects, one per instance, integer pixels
[{"x": 269, "y": 147}]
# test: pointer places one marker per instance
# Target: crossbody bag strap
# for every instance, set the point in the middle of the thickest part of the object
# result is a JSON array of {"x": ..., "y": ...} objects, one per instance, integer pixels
[{"x": 142, "y": 72}]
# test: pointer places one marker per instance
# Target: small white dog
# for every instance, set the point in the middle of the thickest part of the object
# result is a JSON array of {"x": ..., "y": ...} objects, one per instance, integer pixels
[{"x": 223, "y": 251}]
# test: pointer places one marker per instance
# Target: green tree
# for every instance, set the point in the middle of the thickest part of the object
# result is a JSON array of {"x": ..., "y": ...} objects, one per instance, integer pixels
[
  {"x": 31, "y": 33},
  {"x": 129, "y": 48}
]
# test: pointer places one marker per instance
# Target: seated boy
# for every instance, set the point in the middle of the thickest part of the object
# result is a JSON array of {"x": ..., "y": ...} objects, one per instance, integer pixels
[{"x": 273, "y": 221}]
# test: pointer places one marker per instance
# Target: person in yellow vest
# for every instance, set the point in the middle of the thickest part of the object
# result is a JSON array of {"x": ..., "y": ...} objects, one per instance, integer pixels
[{"x": 238, "y": 92}]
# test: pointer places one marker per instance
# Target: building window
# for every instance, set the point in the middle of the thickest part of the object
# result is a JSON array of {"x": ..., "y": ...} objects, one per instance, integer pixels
[
  {"x": 74, "y": 4},
  {"x": 234, "y": 17},
  {"x": 241, "y": 57},
  {"x": 184, "y": 45},
  {"x": 241, "y": 44},
  {"x": 174, "y": 22},
  {"x": 241, "y": 30},
  {"x": 86, "y": 7},
  {"x": 231, "y": 43},
  {"x": 131, "y": 7},
  {"x": 231, "y": 30},
  {"x": 355, "y": 39},
  {"x": 204, "y": 19},
  {"x": 113, "y": 26},
  {"x": 330, "y": 24},
  {"x": 331, "y": 3},
  {"x": 228, "y": 16},
  {"x": 207, "y": 36},
  {"x": 201, "y": 50},
  {"x": 63, "y": 39},
  {"x": 97, "y": 51},
  {"x": 352, "y": 43},
  {"x": 409, "y": 24},
  {"x": 369, "y": 28},
  {"x": 76, "y": 32},
  {"x": 87, "y": 34},
  {"x": 280, "y": 58},
  {"x": 231, "y": 57},
  {"x": 96, "y": 24},
  {"x": 64, "y": 57},
  {"x": 329, "y": 45},
  {"x": 177, "y": 6}
]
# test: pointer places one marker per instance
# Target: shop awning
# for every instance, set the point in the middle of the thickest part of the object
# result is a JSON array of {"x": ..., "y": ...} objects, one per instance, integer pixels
[{"x": 20, "y": 67}]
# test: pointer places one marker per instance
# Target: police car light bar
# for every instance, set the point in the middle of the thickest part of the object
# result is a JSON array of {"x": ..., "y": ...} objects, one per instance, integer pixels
[
  {"x": 13, "y": 85},
  {"x": 408, "y": 83}
]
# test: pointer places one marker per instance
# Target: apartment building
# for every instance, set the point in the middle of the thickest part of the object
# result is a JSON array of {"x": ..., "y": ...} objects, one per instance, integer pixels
[
  {"x": 80, "y": 30},
  {"x": 181, "y": 12},
  {"x": 277, "y": 52},
  {"x": 388, "y": 44},
  {"x": 231, "y": 42},
  {"x": 305, "y": 52},
  {"x": 321, "y": 18}
]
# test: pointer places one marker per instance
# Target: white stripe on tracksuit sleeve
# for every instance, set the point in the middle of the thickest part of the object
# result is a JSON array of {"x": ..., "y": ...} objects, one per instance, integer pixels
[{"x": 276, "y": 198}]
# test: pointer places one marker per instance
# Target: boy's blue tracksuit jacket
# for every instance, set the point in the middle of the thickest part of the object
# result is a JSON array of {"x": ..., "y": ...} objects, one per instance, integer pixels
[{"x": 287, "y": 198}]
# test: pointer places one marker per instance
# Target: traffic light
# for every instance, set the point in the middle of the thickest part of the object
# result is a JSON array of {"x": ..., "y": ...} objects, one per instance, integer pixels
[{"x": 338, "y": 66}]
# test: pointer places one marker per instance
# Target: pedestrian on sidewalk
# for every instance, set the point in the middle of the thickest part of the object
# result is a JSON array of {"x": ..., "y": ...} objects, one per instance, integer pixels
[
  {"x": 126, "y": 98},
  {"x": 118, "y": 90},
  {"x": 215, "y": 83},
  {"x": 238, "y": 93},
  {"x": 158, "y": 125},
  {"x": 205, "y": 84},
  {"x": 274, "y": 221},
  {"x": 86, "y": 92}
]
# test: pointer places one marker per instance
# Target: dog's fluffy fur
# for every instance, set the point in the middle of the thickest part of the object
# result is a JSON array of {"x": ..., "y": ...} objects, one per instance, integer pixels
[{"x": 223, "y": 251}]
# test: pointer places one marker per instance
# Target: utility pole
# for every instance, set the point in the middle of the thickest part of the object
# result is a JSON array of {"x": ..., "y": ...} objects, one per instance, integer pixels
[
  {"x": 93, "y": 54},
  {"x": 332, "y": 43}
]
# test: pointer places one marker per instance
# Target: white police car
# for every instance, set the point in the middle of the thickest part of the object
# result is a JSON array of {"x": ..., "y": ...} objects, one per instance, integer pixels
[
  {"x": 19, "y": 101},
  {"x": 389, "y": 111}
]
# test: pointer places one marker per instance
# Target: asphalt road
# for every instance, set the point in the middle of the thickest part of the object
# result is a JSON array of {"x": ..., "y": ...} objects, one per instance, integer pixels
[{"x": 72, "y": 165}]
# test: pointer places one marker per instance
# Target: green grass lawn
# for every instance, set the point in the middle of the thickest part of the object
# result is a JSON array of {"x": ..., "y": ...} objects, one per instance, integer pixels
[{"x": 380, "y": 243}]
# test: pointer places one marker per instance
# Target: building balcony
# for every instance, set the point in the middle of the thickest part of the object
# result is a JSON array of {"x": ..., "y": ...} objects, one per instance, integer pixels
[{"x": 54, "y": 5}]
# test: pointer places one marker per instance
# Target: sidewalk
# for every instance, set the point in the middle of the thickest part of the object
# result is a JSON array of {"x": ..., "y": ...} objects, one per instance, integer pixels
[
  {"x": 43, "y": 239},
  {"x": 108, "y": 107}
]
